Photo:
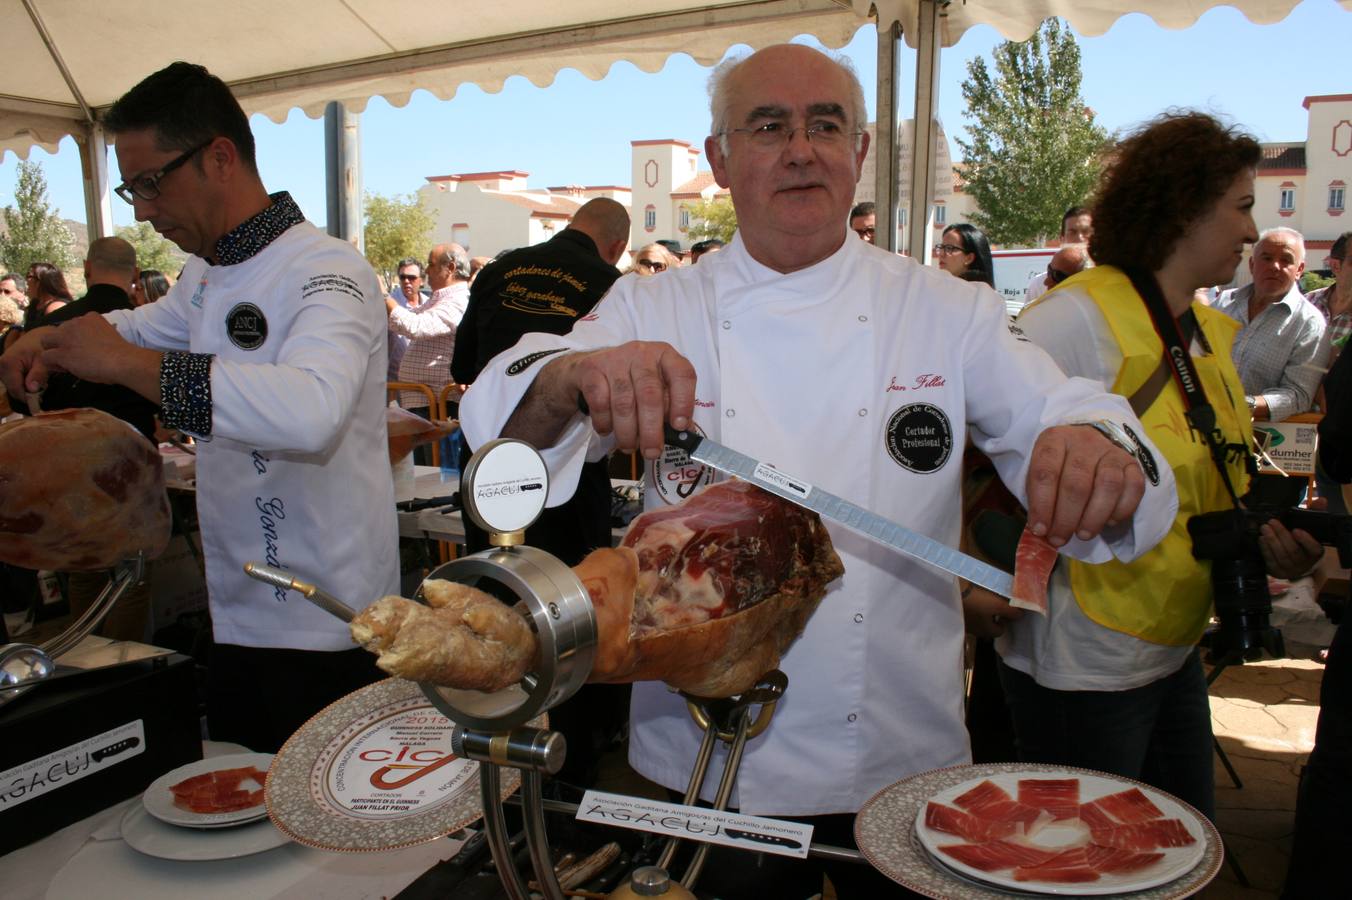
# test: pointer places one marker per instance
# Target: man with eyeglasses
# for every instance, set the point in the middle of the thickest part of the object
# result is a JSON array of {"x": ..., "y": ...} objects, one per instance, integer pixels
[
  {"x": 11, "y": 286},
  {"x": 407, "y": 292},
  {"x": 863, "y": 220},
  {"x": 270, "y": 349},
  {"x": 855, "y": 369},
  {"x": 431, "y": 329}
]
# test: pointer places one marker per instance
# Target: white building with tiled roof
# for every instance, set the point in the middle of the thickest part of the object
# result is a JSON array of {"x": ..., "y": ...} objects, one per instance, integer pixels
[
  {"x": 488, "y": 212},
  {"x": 1304, "y": 185}
]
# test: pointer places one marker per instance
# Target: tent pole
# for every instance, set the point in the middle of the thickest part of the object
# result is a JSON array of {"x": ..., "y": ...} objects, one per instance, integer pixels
[
  {"x": 887, "y": 168},
  {"x": 342, "y": 174},
  {"x": 926, "y": 101},
  {"x": 94, "y": 175}
]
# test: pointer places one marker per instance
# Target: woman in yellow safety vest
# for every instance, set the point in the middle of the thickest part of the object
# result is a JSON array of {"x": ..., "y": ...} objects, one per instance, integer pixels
[{"x": 1111, "y": 679}]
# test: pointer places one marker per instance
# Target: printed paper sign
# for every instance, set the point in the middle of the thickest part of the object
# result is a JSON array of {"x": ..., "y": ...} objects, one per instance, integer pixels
[
  {"x": 693, "y": 823},
  {"x": 1291, "y": 445},
  {"x": 60, "y": 767}
]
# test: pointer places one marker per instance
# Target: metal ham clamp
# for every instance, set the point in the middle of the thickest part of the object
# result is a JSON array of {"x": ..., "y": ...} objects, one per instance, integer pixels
[{"x": 835, "y": 509}]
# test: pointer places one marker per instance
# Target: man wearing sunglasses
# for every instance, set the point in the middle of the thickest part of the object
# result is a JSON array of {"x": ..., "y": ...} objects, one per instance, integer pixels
[
  {"x": 1069, "y": 260},
  {"x": 271, "y": 350}
]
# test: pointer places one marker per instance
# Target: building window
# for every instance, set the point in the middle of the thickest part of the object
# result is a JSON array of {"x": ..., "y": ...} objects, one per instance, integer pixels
[
  {"x": 1288, "y": 200},
  {"x": 683, "y": 219},
  {"x": 1336, "y": 199},
  {"x": 650, "y": 218},
  {"x": 940, "y": 215}
]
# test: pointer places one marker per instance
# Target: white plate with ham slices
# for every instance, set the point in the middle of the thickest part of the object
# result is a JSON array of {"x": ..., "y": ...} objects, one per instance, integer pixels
[
  {"x": 1067, "y": 833},
  {"x": 217, "y": 792}
]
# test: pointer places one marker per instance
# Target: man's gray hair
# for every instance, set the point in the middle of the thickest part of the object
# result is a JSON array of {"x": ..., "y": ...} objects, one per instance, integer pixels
[
  {"x": 458, "y": 259},
  {"x": 19, "y": 281},
  {"x": 719, "y": 99},
  {"x": 1288, "y": 232}
]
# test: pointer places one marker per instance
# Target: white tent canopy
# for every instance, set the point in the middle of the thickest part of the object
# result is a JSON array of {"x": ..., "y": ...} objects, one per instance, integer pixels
[{"x": 67, "y": 60}]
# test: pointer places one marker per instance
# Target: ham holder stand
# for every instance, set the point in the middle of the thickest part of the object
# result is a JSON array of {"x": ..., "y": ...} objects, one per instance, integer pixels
[
  {"x": 503, "y": 490},
  {"x": 25, "y": 666}
]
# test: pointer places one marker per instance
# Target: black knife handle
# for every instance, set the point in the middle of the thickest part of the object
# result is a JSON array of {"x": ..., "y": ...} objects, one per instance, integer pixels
[{"x": 687, "y": 439}]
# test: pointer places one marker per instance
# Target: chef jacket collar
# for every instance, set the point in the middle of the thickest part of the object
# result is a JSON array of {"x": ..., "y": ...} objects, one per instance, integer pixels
[{"x": 251, "y": 236}]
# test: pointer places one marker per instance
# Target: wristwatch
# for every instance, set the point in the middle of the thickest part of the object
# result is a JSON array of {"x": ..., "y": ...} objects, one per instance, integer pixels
[
  {"x": 1124, "y": 438},
  {"x": 1251, "y": 402}
]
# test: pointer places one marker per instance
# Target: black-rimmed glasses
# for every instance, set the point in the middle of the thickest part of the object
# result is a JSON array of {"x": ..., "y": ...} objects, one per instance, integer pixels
[
  {"x": 948, "y": 249},
  {"x": 1056, "y": 275},
  {"x": 147, "y": 187},
  {"x": 652, "y": 265}
]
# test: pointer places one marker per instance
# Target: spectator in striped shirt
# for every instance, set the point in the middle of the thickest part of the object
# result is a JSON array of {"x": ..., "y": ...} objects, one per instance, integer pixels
[{"x": 431, "y": 327}]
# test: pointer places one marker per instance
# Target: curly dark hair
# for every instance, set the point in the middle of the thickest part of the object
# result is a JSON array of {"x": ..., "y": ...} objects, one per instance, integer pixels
[{"x": 1161, "y": 179}]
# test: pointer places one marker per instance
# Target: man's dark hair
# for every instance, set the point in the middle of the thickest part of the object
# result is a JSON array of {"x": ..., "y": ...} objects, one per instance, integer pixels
[
  {"x": 186, "y": 106},
  {"x": 1160, "y": 181},
  {"x": 706, "y": 245},
  {"x": 409, "y": 261},
  {"x": 867, "y": 208},
  {"x": 1339, "y": 249},
  {"x": 1072, "y": 213}
]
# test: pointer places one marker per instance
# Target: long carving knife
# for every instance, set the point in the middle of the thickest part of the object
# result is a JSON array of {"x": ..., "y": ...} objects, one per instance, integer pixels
[{"x": 835, "y": 509}]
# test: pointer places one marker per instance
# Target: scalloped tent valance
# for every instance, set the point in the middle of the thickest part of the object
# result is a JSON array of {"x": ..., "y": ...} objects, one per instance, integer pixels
[{"x": 68, "y": 59}]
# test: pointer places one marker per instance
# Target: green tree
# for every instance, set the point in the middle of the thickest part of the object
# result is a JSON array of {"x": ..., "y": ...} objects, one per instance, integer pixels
[
  {"x": 396, "y": 227},
  {"x": 152, "y": 251},
  {"x": 1034, "y": 149},
  {"x": 34, "y": 231},
  {"x": 712, "y": 219}
]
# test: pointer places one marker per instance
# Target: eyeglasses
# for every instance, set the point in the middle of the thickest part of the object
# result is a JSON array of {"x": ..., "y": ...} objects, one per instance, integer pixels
[
  {"x": 776, "y": 136},
  {"x": 147, "y": 187},
  {"x": 865, "y": 233},
  {"x": 653, "y": 265},
  {"x": 948, "y": 249},
  {"x": 405, "y": 277},
  {"x": 1056, "y": 275}
]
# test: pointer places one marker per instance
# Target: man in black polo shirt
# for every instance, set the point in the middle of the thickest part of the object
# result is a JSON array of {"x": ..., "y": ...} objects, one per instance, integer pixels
[
  {"x": 109, "y": 269},
  {"x": 548, "y": 287}
]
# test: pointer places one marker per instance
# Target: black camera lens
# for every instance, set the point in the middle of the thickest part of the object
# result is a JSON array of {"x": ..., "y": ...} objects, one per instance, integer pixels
[{"x": 1244, "y": 608}]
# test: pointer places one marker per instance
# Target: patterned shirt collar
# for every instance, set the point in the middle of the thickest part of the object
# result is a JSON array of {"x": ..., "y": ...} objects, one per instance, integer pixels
[{"x": 249, "y": 238}]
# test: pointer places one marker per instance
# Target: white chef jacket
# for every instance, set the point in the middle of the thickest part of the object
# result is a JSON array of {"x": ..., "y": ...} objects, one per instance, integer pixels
[
  {"x": 296, "y": 470},
  {"x": 828, "y": 373}
]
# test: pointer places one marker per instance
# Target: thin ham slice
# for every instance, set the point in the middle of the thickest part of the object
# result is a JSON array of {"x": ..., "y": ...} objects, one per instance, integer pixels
[
  {"x": 1058, "y": 796},
  {"x": 1144, "y": 835},
  {"x": 992, "y": 856},
  {"x": 965, "y": 825},
  {"x": 1033, "y": 562},
  {"x": 1116, "y": 861},
  {"x": 223, "y": 791},
  {"x": 1130, "y": 806},
  {"x": 1093, "y": 815},
  {"x": 992, "y": 803}
]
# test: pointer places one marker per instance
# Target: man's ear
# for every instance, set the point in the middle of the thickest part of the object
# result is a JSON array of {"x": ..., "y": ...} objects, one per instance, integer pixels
[
  {"x": 717, "y": 163},
  {"x": 614, "y": 250},
  {"x": 220, "y": 159},
  {"x": 859, "y": 157}
]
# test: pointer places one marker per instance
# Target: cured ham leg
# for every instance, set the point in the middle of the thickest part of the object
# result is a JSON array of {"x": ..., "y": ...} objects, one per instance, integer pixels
[
  {"x": 706, "y": 596},
  {"x": 79, "y": 490}
]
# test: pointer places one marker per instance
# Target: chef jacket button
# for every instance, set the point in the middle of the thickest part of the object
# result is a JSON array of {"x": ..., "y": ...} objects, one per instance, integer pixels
[
  {"x": 730, "y": 413},
  {"x": 726, "y": 325},
  {"x": 862, "y": 413},
  {"x": 851, "y": 717},
  {"x": 859, "y": 617},
  {"x": 863, "y": 318}
]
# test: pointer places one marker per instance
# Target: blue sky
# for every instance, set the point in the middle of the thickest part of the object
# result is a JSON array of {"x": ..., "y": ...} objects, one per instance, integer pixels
[{"x": 577, "y": 131}]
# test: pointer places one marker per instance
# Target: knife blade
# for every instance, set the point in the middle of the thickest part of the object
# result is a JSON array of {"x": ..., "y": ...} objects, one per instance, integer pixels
[{"x": 835, "y": 509}]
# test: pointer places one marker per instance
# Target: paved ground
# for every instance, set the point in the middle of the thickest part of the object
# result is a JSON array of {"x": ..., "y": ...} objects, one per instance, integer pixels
[{"x": 1264, "y": 716}]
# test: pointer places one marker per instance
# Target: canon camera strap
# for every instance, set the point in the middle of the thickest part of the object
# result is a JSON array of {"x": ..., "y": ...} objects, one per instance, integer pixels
[{"x": 1201, "y": 416}]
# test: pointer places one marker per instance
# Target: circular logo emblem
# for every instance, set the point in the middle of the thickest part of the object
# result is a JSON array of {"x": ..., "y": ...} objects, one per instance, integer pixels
[
  {"x": 676, "y": 476},
  {"x": 919, "y": 437},
  {"x": 246, "y": 326}
]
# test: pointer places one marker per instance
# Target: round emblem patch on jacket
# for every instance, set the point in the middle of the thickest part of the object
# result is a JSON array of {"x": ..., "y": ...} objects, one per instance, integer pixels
[
  {"x": 919, "y": 437},
  {"x": 247, "y": 327}
]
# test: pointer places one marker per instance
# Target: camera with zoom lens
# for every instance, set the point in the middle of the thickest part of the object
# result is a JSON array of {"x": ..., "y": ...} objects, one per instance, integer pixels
[{"x": 1229, "y": 539}]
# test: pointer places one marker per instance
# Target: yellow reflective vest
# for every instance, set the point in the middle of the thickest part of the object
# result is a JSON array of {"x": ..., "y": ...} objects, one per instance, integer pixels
[{"x": 1165, "y": 595}]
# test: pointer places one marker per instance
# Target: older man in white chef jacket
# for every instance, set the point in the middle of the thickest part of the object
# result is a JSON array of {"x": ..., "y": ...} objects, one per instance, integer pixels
[{"x": 860, "y": 371}]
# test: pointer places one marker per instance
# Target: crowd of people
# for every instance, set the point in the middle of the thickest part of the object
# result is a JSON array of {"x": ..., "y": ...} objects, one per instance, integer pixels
[{"x": 794, "y": 343}]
